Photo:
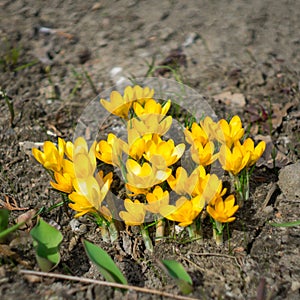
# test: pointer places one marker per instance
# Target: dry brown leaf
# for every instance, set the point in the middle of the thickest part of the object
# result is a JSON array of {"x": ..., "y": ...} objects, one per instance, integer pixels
[
  {"x": 266, "y": 159},
  {"x": 26, "y": 217},
  {"x": 279, "y": 112},
  {"x": 10, "y": 203},
  {"x": 96, "y": 6},
  {"x": 32, "y": 278},
  {"x": 228, "y": 98}
]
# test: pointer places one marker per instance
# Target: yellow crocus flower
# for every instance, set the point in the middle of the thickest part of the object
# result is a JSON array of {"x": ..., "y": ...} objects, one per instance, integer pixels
[
  {"x": 138, "y": 94},
  {"x": 80, "y": 146},
  {"x": 145, "y": 176},
  {"x": 233, "y": 161},
  {"x": 229, "y": 133},
  {"x": 64, "y": 178},
  {"x": 69, "y": 147},
  {"x": 101, "y": 179},
  {"x": 150, "y": 124},
  {"x": 209, "y": 186},
  {"x": 185, "y": 211},
  {"x": 88, "y": 195},
  {"x": 90, "y": 190},
  {"x": 166, "y": 149},
  {"x": 68, "y": 167},
  {"x": 255, "y": 152},
  {"x": 110, "y": 151},
  {"x": 201, "y": 133},
  {"x": 223, "y": 211},
  {"x": 137, "y": 143},
  {"x": 196, "y": 134},
  {"x": 137, "y": 148},
  {"x": 136, "y": 191},
  {"x": 52, "y": 157},
  {"x": 84, "y": 161},
  {"x": 134, "y": 214},
  {"x": 203, "y": 155},
  {"x": 119, "y": 105},
  {"x": 64, "y": 182},
  {"x": 156, "y": 200},
  {"x": 151, "y": 107},
  {"x": 213, "y": 189},
  {"x": 209, "y": 127},
  {"x": 182, "y": 184},
  {"x": 80, "y": 204}
]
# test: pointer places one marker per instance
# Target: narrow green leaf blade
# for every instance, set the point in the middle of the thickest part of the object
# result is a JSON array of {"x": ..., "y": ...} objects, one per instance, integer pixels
[
  {"x": 287, "y": 224},
  {"x": 4, "y": 231},
  {"x": 4, "y": 214},
  {"x": 178, "y": 273},
  {"x": 103, "y": 261},
  {"x": 46, "y": 241}
]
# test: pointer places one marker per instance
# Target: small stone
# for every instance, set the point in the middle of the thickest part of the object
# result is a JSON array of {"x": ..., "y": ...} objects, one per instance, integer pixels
[
  {"x": 82, "y": 229},
  {"x": 84, "y": 55},
  {"x": 268, "y": 210},
  {"x": 295, "y": 285},
  {"x": 190, "y": 39},
  {"x": 2, "y": 272},
  {"x": 285, "y": 239},
  {"x": 75, "y": 224},
  {"x": 96, "y": 6},
  {"x": 73, "y": 243},
  {"x": 289, "y": 182},
  {"x": 115, "y": 71},
  {"x": 32, "y": 278},
  {"x": 238, "y": 99},
  {"x": 257, "y": 78},
  {"x": 166, "y": 33},
  {"x": 231, "y": 99}
]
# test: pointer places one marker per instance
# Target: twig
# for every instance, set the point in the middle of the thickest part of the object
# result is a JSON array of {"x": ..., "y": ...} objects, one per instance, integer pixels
[
  {"x": 269, "y": 196},
  {"x": 9, "y": 206},
  {"x": 217, "y": 254},
  {"x": 111, "y": 284},
  {"x": 201, "y": 269}
]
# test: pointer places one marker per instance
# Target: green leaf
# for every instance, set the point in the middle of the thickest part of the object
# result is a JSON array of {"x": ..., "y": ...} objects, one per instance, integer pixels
[
  {"x": 4, "y": 214},
  {"x": 103, "y": 261},
  {"x": 46, "y": 241},
  {"x": 287, "y": 224},
  {"x": 4, "y": 231},
  {"x": 178, "y": 273}
]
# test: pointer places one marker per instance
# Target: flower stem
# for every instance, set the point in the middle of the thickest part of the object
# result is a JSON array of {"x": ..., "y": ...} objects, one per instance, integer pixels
[
  {"x": 218, "y": 237},
  {"x": 160, "y": 229},
  {"x": 146, "y": 237},
  {"x": 113, "y": 232},
  {"x": 195, "y": 232},
  {"x": 241, "y": 186},
  {"x": 104, "y": 232},
  {"x": 218, "y": 232}
]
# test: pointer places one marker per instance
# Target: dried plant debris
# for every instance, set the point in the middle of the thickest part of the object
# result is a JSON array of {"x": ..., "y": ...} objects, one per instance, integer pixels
[
  {"x": 268, "y": 120},
  {"x": 173, "y": 61}
]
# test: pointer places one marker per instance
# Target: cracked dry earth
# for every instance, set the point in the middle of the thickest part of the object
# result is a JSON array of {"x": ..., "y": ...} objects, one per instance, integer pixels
[{"x": 241, "y": 56}]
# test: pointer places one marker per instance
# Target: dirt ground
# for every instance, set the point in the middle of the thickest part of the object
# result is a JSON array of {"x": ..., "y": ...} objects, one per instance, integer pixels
[{"x": 55, "y": 57}]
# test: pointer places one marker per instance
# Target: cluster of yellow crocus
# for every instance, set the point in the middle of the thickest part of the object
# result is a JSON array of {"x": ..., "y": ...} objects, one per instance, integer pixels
[
  {"x": 76, "y": 175},
  {"x": 222, "y": 140},
  {"x": 156, "y": 183},
  {"x": 59, "y": 161}
]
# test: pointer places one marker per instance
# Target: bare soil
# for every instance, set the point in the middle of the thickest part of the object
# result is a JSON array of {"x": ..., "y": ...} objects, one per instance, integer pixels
[{"x": 55, "y": 57}]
